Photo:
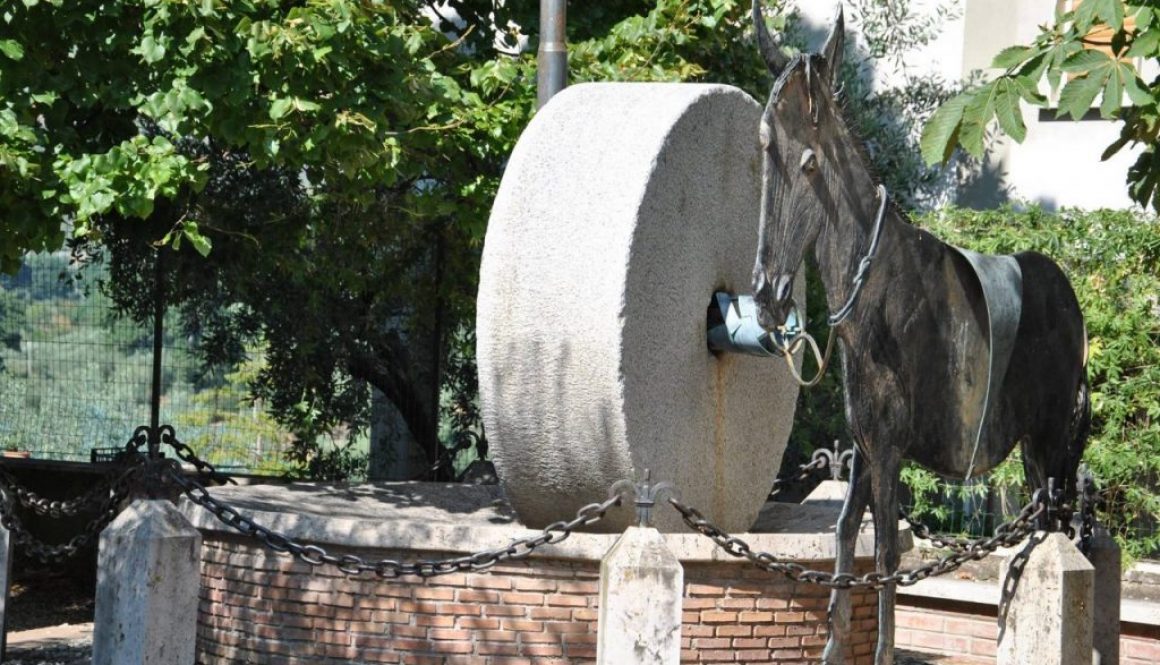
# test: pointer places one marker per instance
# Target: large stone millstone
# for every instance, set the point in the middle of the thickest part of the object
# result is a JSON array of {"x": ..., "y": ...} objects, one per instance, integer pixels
[{"x": 623, "y": 208}]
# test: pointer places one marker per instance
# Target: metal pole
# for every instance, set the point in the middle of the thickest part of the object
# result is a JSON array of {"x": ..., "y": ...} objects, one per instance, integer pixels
[
  {"x": 158, "y": 337},
  {"x": 553, "y": 53}
]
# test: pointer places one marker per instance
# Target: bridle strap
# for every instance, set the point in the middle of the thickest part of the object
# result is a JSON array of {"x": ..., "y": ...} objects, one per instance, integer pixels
[
  {"x": 863, "y": 266},
  {"x": 823, "y": 358}
]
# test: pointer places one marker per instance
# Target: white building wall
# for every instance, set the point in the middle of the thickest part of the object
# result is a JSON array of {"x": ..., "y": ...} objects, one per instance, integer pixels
[{"x": 1058, "y": 164}]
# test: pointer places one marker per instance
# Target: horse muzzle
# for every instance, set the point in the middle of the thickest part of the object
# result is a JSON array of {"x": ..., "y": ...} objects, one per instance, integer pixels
[{"x": 774, "y": 299}]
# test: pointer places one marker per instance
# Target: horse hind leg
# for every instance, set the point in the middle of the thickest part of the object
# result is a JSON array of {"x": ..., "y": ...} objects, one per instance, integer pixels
[
  {"x": 885, "y": 506},
  {"x": 857, "y": 498},
  {"x": 1055, "y": 451}
]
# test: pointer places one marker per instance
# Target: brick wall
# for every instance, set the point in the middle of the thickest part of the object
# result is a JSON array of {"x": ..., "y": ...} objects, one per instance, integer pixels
[
  {"x": 261, "y": 607},
  {"x": 968, "y": 631},
  {"x": 738, "y": 614}
]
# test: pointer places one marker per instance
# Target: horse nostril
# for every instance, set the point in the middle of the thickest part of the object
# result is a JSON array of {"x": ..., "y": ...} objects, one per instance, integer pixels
[
  {"x": 782, "y": 286},
  {"x": 759, "y": 283}
]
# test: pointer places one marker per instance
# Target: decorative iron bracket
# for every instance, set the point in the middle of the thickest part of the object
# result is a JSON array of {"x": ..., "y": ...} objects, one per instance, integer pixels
[
  {"x": 645, "y": 493},
  {"x": 837, "y": 459}
]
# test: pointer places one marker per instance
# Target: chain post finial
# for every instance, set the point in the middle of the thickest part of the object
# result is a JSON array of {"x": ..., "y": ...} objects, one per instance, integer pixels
[{"x": 646, "y": 496}]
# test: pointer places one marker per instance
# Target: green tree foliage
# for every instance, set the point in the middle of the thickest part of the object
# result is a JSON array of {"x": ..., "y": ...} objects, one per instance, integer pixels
[
  {"x": 1113, "y": 260},
  {"x": 12, "y": 321},
  {"x": 339, "y": 158},
  {"x": 1096, "y": 49}
]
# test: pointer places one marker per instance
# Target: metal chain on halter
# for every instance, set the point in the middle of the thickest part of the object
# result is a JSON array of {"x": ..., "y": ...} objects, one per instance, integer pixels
[
  {"x": 108, "y": 508},
  {"x": 863, "y": 265},
  {"x": 389, "y": 568},
  {"x": 839, "y": 317},
  {"x": 1006, "y": 535}
]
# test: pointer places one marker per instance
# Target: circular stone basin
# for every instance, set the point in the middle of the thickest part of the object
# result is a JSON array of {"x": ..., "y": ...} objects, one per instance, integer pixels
[
  {"x": 624, "y": 207},
  {"x": 264, "y": 607}
]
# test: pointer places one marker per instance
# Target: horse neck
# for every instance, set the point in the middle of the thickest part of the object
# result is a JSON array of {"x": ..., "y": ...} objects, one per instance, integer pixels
[{"x": 846, "y": 239}]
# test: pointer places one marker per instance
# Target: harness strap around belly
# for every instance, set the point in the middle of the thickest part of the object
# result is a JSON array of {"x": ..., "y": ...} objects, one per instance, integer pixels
[{"x": 1002, "y": 283}]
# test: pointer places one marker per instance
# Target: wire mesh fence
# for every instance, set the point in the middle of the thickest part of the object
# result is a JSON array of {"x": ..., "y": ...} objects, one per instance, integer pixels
[
  {"x": 975, "y": 507},
  {"x": 76, "y": 378}
]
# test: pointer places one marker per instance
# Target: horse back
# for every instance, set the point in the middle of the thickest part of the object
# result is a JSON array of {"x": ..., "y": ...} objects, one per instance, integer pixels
[
  {"x": 1047, "y": 370},
  {"x": 1038, "y": 392}
]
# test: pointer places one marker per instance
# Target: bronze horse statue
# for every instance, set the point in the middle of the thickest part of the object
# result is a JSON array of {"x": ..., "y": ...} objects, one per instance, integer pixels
[{"x": 919, "y": 324}]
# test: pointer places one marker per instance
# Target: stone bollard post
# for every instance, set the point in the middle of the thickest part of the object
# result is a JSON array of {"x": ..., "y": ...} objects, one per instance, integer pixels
[
  {"x": 641, "y": 588},
  {"x": 6, "y": 552},
  {"x": 1045, "y": 609},
  {"x": 1105, "y": 558},
  {"x": 147, "y": 588}
]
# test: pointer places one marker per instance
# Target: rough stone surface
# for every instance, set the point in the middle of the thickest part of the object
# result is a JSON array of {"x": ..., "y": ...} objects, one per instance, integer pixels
[
  {"x": 457, "y": 518},
  {"x": 1045, "y": 612},
  {"x": 147, "y": 588},
  {"x": 1105, "y": 558},
  {"x": 641, "y": 587},
  {"x": 829, "y": 493},
  {"x": 6, "y": 553},
  {"x": 623, "y": 208}
]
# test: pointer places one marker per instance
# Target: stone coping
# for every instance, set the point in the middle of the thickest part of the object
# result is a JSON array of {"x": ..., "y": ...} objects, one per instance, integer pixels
[
  {"x": 456, "y": 518},
  {"x": 986, "y": 592}
]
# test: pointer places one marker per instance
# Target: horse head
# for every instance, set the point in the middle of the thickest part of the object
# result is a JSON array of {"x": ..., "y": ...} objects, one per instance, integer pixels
[{"x": 802, "y": 164}]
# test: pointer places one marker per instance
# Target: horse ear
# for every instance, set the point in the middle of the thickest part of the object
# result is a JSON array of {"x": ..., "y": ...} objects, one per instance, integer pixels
[
  {"x": 775, "y": 60},
  {"x": 833, "y": 49}
]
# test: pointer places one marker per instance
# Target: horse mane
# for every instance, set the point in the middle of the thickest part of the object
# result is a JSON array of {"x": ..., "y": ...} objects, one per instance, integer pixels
[{"x": 808, "y": 60}]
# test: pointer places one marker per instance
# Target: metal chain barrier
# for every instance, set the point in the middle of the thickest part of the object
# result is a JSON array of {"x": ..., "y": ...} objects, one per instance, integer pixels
[
  {"x": 58, "y": 508},
  {"x": 204, "y": 469},
  {"x": 109, "y": 506},
  {"x": 390, "y": 568},
  {"x": 1089, "y": 498},
  {"x": 804, "y": 472},
  {"x": 1006, "y": 535}
]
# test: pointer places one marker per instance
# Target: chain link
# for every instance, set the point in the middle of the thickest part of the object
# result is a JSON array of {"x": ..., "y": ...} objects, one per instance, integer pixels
[
  {"x": 57, "y": 508},
  {"x": 1006, "y": 535},
  {"x": 204, "y": 469},
  {"x": 389, "y": 568},
  {"x": 1089, "y": 497},
  {"x": 804, "y": 472},
  {"x": 114, "y": 494}
]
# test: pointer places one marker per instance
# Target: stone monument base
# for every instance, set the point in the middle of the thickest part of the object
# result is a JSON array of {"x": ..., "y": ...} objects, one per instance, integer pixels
[{"x": 258, "y": 606}]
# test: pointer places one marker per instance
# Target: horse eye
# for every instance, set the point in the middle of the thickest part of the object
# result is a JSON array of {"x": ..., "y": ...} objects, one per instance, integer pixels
[{"x": 809, "y": 161}]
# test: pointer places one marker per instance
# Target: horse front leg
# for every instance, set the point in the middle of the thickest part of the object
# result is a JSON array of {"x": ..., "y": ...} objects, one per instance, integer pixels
[
  {"x": 885, "y": 480},
  {"x": 849, "y": 523}
]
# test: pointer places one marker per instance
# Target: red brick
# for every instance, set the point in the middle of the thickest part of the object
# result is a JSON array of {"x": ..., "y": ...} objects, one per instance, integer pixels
[
  {"x": 523, "y": 625},
  {"x": 533, "y": 584},
  {"x": 559, "y": 600},
  {"x": 497, "y": 648},
  {"x": 477, "y": 623},
  {"x": 435, "y": 620},
  {"x": 449, "y": 634},
  {"x": 434, "y": 593},
  {"x": 930, "y": 622},
  {"x": 522, "y": 598}
]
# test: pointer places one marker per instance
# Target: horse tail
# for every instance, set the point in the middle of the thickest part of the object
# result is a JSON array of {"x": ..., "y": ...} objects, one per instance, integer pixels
[{"x": 1081, "y": 424}]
